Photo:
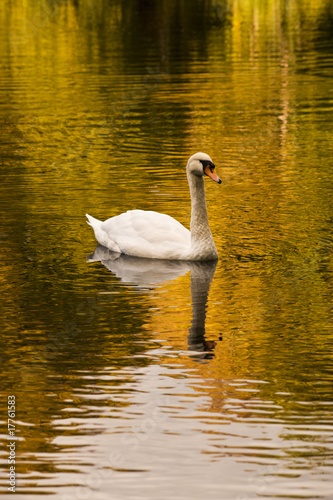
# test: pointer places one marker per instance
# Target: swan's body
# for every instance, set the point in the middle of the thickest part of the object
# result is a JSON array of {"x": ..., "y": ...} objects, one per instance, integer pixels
[{"x": 159, "y": 236}]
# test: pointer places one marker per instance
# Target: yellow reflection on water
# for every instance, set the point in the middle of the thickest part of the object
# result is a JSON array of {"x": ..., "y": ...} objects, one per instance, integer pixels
[{"x": 101, "y": 105}]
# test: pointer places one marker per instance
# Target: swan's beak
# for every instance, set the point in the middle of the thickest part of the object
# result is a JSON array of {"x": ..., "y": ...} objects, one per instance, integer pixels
[{"x": 211, "y": 173}]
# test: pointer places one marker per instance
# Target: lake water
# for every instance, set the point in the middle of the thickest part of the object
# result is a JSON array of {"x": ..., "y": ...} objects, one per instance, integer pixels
[{"x": 136, "y": 379}]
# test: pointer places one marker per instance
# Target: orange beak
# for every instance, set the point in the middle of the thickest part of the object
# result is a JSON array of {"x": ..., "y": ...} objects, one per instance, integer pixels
[{"x": 210, "y": 172}]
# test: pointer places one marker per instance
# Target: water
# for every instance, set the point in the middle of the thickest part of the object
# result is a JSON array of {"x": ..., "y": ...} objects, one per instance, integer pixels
[{"x": 155, "y": 380}]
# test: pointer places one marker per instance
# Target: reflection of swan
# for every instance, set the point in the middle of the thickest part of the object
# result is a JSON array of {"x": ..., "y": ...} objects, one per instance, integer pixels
[
  {"x": 147, "y": 272},
  {"x": 139, "y": 271},
  {"x": 202, "y": 274},
  {"x": 159, "y": 236}
]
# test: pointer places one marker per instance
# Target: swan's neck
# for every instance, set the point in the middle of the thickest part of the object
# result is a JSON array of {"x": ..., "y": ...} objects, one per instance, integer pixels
[{"x": 201, "y": 236}]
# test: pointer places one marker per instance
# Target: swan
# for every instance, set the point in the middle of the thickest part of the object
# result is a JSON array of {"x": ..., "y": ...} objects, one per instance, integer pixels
[{"x": 158, "y": 236}]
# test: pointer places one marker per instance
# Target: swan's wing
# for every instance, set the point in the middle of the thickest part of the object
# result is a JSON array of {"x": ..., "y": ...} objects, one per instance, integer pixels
[{"x": 147, "y": 234}]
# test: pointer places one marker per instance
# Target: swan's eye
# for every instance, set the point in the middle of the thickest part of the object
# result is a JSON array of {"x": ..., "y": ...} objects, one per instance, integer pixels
[{"x": 209, "y": 164}]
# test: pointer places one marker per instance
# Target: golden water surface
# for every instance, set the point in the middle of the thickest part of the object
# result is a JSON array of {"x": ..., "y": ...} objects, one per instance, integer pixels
[{"x": 156, "y": 380}]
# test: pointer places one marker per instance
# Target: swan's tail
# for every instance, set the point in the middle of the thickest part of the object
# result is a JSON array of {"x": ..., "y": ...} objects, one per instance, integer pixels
[
  {"x": 94, "y": 223},
  {"x": 101, "y": 236}
]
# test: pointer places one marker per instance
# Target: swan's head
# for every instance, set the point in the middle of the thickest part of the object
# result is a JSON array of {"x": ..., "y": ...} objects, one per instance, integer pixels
[{"x": 201, "y": 164}]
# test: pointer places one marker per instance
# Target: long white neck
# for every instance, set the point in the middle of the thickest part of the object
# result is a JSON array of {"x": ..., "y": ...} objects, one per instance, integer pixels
[{"x": 201, "y": 236}]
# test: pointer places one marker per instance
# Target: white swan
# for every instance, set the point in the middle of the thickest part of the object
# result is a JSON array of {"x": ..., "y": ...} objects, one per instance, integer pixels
[{"x": 158, "y": 236}]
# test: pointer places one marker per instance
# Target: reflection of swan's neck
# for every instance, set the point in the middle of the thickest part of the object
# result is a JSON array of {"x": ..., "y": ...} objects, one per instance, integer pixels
[
  {"x": 199, "y": 295},
  {"x": 201, "y": 277},
  {"x": 200, "y": 232}
]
